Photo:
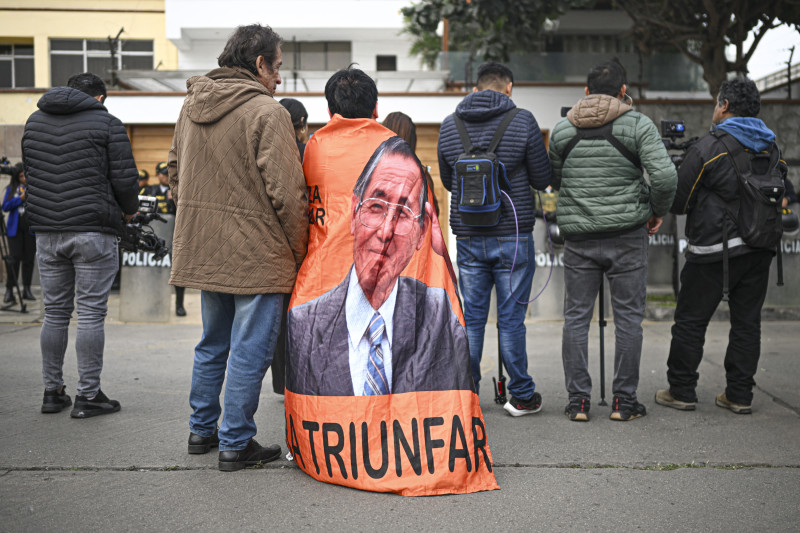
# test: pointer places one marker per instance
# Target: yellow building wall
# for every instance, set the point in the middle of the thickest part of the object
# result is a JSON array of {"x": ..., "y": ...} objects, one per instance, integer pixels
[{"x": 37, "y": 21}]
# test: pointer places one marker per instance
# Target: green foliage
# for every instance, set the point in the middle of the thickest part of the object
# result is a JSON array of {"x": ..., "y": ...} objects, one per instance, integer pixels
[
  {"x": 488, "y": 29},
  {"x": 703, "y": 30}
]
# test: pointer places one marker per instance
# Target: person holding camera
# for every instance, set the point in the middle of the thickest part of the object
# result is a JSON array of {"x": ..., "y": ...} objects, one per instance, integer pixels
[
  {"x": 21, "y": 242},
  {"x": 708, "y": 188},
  {"x": 82, "y": 179},
  {"x": 606, "y": 210}
]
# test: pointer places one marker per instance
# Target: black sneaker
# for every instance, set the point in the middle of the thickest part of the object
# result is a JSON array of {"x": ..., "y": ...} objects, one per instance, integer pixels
[
  {"x": 99, "y": 405},
  {"x": 578, "y": 409},
  {"x": 54, "y": 401},
  {"x": 517, "y": 407},
  {"x": 201, "y": 444},
  {"x": 625, "y": 411},
  {"x": 253, "y": 454}
]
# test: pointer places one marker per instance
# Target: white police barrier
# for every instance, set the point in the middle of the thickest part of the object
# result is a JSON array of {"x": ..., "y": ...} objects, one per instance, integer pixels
[
  {"x": 785, "y": 298},
  {"x": 661, "y": 266},
  {"x": 144, "y": 282}
]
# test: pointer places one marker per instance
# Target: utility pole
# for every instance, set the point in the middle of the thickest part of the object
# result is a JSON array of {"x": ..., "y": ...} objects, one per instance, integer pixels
[
  {"x": 789, "y": 74},
  {"x": 113, "y": 44}
]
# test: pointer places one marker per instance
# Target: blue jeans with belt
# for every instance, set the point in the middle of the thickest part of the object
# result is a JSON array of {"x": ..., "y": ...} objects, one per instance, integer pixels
[
  {"x": 482, "y": 263},
  {"x": 239, "y": 334}
]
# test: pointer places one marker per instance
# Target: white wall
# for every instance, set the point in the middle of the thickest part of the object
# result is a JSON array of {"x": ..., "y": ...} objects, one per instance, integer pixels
[
  {"x": 544, "y": 102},
  {"x": 369, "y": 14},
  {"x": 199, "y": 28}
]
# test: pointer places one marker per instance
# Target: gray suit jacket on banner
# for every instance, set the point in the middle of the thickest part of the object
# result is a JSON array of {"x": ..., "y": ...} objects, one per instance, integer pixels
[{"x": 429, "y": 348}]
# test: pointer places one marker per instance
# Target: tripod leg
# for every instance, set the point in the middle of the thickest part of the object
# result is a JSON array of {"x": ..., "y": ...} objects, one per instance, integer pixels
[
  {"x": 500, "y": 383},
  {"x": 602, "y": 324}
]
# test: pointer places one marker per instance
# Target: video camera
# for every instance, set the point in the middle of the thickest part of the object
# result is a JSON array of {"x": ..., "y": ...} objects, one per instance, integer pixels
[
  {"x": 671, "y": 130},
  {"x": 5, "y": 166},
  {"x": 138, "y": 235}
]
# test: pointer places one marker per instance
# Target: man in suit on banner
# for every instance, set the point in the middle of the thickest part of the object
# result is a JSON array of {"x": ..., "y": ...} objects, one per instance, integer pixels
[{"x": 377, "y": 332}]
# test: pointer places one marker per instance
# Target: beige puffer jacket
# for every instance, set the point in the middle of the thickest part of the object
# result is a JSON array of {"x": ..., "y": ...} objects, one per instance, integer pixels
[{"x": 235, "y": 173}]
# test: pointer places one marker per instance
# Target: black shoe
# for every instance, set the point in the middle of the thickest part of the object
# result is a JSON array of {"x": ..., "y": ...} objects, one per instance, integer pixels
[
  {"x": 578, "y": 409},
  {"x": 9, "y": 297},
  {"x": 55, "y": 401},
  {"x": 201, "y": 444},
  {"x": 625, "y": 411},
  {"x": 517, "y": 407},
  {"x": 180, "y": 311},
  {"x": 253, "y": 454},
  {"x": 27, "y": 294},
  {"x": 99, "y": 405}
]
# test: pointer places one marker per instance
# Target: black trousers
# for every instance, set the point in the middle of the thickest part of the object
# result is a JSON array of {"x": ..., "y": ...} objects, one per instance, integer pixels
[
  {"x": 700, "y": 294},
  {"x": 22, "y": 249}
]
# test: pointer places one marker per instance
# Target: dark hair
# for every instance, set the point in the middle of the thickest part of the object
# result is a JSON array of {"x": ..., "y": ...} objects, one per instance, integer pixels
[
  {"x": 246, "y": 44},
  {"x": 88, "y": 83},
  {"x": 297, "y": 111},
  {"x": 403, "y": 126},
  {"x": 351, "y": 93},
  {"x": 607, "y": 78},
  {"x": 494, "y": 75},
  {"x": 742, "y": 96},
  {"x": 396, "y": 146}
]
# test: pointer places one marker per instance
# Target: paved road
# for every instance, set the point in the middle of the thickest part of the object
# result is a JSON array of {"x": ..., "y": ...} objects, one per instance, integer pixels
[{"x": 708, "y": 470}]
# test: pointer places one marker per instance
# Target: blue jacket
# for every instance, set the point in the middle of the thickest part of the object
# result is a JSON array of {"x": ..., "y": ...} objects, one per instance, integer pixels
[
  {"x": 521, "y": 150},
  {"x": 11, "y": 203}
]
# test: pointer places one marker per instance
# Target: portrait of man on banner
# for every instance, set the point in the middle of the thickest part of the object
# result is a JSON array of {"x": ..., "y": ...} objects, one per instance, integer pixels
[{"x": 378, "y": 332}]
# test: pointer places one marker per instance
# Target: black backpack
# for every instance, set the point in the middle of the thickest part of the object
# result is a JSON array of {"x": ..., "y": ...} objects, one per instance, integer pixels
[
  {"x": 757, "y": 209},
  {"x": 480, "y": 176}
]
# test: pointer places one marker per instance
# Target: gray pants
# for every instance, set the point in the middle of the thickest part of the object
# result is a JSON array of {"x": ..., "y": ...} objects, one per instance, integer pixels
[
  {"x": 75, "y": 267},
  {"x": 624, "y": 261}
]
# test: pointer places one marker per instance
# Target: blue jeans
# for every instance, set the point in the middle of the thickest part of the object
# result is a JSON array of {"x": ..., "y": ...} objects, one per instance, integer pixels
[
  {"x": 239, "y": 334},
  {"x": 75, "y": 267},
  {"x": 623, "y": 260},
  {"x": 483, "y": 262}
]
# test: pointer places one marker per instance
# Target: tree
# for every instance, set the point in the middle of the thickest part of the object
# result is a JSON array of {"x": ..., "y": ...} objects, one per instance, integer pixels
[
  {"x": 703, "y": 29},
  {"x": 489, "y": 29}
]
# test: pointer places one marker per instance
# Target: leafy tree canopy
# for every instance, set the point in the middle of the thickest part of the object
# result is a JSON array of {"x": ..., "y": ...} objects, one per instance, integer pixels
[
  {"x": 702, "y": 29},
  {"x": 489, "y": 29}
]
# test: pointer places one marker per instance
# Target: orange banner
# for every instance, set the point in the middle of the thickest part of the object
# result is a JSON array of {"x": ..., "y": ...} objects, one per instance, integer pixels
[
  {"x": 414, "y": 444},
  {"x": 377, "y": 369}
]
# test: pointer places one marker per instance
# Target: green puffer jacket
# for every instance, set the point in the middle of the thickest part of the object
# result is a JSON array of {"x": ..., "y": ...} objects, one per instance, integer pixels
[{"x": 600, "y": 190}]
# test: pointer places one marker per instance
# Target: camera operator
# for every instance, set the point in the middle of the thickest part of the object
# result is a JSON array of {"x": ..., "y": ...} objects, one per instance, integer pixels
[
  {"x": 21, "y": 243},
  {"x": 707, "y": 185},
  {"x": 81, "y": 179}
]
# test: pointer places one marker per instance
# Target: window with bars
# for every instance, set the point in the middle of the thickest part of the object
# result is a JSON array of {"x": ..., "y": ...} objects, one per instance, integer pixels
[
  {"x": 316, "y": 55},
  {"x": 16, "y": 65},
  {"x": 73, "y": 56}
]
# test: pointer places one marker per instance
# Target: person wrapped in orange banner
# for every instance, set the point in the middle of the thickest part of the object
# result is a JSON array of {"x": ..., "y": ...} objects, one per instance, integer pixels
[
  {"x": 383, "y": 350},
  {"x": 390, "y": 217}
]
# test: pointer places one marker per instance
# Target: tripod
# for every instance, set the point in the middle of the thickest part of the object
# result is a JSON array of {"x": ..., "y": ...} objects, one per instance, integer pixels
[{"x": 6, "y": 254}]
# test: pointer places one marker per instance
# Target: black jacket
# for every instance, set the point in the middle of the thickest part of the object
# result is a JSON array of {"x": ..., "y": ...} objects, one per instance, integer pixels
[
  {"x": 707, "y": 181},
  {"x": 79, "y": 165},
  {"x": 521, "y": 150}
]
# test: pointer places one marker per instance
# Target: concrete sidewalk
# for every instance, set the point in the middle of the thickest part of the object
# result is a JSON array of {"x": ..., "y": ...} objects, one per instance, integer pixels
[{"x": 707, "y": 470}]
